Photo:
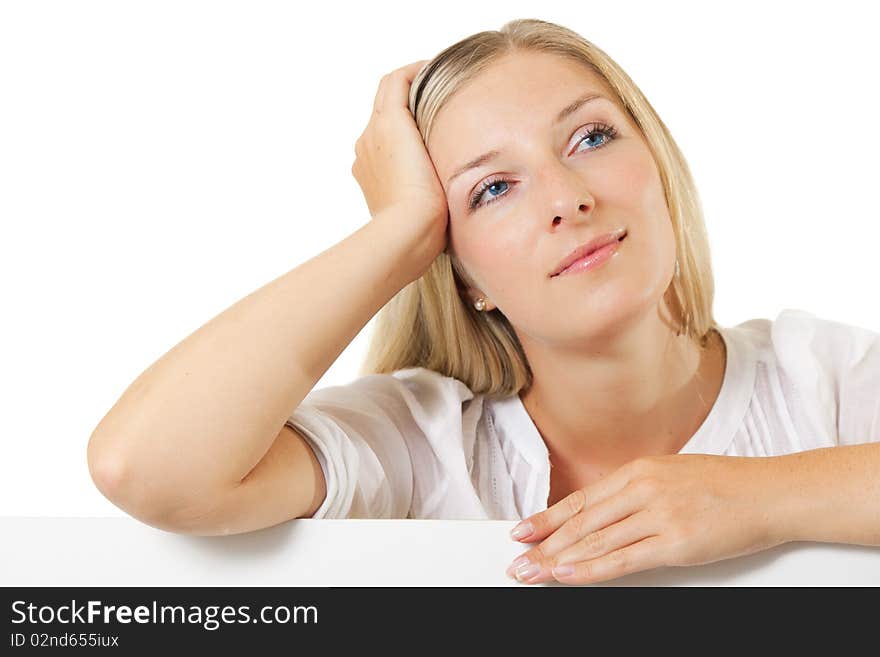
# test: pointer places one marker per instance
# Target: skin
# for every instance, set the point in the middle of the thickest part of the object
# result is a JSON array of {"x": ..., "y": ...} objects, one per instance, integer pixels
[
  {"x": 616, "y": 394},
  {"x": 612, "y": 381}
]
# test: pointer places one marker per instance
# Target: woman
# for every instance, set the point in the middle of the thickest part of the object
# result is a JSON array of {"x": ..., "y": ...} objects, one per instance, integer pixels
[{"x": 545, "y": 349}]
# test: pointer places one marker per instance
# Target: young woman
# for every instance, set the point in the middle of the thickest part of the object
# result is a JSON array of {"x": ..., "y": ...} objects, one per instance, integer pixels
[{"x": 545, "y": 348}]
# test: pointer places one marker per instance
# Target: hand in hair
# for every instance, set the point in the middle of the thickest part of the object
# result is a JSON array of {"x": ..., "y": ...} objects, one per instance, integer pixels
[{"x": 394, "y": 169}]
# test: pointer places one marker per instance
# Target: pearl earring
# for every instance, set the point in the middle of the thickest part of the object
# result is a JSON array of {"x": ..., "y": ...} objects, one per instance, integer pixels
[
  {"x": 480, "y": 304},
  {"x": 677, "y": 270}
]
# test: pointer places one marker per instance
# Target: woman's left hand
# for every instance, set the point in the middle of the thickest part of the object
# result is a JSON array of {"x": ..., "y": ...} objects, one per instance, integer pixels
[{"x": 671, "y": 510}]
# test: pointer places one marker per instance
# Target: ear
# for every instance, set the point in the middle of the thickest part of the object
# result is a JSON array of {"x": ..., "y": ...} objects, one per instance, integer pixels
[{"x": 468, "y": 293}]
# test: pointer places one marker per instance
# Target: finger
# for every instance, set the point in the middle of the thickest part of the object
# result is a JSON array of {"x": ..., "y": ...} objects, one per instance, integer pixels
[
  {"x": 539, "y": 526},
  {"x": 603, "y": 540},
  {"x": 591, "y": 533},
  {"x": 587, "y": 524},
  {"x": 639, "y": 556},
  {"x": 394, "y": 87},
  {"x": 377, "y": 101}
]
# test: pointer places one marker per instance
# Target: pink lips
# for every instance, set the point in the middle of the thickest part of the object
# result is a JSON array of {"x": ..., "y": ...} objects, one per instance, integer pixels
[{"x": 591, "y": 255}]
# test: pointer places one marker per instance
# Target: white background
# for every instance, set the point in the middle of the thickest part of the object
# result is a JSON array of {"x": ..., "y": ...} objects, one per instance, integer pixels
[{"x": 161, "y": 160}]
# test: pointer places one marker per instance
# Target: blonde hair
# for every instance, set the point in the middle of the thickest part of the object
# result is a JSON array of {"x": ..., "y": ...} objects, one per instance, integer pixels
[{"x": 430, "y": 324}]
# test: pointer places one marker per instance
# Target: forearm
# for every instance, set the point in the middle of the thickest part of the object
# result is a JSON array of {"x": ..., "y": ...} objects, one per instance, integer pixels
[
  {"x": 207, "y": 411},
  {"x": 829, "y": 495}
]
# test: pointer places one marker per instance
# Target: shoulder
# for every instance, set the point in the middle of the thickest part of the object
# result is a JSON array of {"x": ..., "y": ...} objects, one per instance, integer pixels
[
  {"x": 431, "y": 389},
  {"x": 826, "y": 370},
  {"x": 801, "y": 341},
  {"x": 798, "y": 340},
  {"x": 421, "y": 379},
  {"x": 414, "y": 387},
  {"x": 796, "y": 333}
]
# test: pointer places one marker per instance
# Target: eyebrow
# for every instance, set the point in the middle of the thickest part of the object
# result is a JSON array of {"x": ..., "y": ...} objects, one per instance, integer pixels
[{"x": 564, "y": 113}]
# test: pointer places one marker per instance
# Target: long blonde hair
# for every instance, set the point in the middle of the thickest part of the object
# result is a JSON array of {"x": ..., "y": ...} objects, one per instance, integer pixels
[{"x": 430, "y": 324}]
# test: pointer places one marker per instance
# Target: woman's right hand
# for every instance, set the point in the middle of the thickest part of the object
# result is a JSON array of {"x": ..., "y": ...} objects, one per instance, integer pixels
[{"x": 393, "y": 168}]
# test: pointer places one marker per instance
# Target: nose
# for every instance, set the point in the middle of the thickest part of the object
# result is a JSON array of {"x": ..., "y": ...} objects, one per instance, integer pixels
[
  {"x": 580, "y": 212},
  {"x": 566, "y": 193}
]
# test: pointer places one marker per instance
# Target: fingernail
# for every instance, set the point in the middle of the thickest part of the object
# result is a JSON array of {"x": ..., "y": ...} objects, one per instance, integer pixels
[
  {"x": 528, "y": 571},
  {"x": 522, "y": 530},
  {"x": 519, "y": 561}
]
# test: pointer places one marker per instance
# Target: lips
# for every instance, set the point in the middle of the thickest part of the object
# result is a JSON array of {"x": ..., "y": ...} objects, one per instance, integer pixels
[{"x": 588, "y": 248}]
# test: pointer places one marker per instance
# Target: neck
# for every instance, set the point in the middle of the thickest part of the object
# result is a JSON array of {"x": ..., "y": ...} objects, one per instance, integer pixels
[{"x": 643, "y": 391}]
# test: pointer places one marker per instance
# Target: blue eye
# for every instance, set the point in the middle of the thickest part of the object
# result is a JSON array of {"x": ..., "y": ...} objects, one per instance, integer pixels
[
  {"x": 608, "y": 131},
  {"x": 486, "y": 187}
]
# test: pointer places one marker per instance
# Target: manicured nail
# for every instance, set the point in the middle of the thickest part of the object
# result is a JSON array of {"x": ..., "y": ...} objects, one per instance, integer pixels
[
  {"x": 528, "y": 571},
  {"x": 522, "y": 530},
  {"x": 519, "y": 562}
]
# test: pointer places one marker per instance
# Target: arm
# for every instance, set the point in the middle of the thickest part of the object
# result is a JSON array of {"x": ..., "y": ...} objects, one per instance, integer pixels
[
  {"x": 692, "y": 509},
  {"x": 830, "y": 495},
  {"x": 198, "y": 420}
]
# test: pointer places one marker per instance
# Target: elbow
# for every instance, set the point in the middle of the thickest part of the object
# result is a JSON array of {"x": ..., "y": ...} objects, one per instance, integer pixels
[
  {"x": 148, "y": 498},
  {"x": 122, "y": 485},
  {"x": 106, "y": 467}
]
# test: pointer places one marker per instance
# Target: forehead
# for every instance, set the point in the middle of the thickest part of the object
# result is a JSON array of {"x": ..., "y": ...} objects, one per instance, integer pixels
[{"x": 521, "y": 91}]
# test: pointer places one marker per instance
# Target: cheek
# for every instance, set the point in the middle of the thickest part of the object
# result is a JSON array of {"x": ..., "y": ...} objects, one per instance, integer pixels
[
  {"x": 473, "y": 247},
  {"x": 632, "y": 185},
  {"x": 633, "y": 182},
  {"x": 497, "y": 260}
]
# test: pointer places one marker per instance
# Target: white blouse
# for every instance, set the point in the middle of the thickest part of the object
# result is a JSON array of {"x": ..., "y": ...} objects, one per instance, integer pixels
[{"x": 417, "y": 444}]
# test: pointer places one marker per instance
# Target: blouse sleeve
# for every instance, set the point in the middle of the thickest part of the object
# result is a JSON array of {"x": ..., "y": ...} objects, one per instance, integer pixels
[
  {"x": 840, "y": 365},
  {"x": 365, "y": 434}
]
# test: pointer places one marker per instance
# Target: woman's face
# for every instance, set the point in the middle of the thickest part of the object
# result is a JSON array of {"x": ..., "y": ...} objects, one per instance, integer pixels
[{"x": 573, "y": 171}]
